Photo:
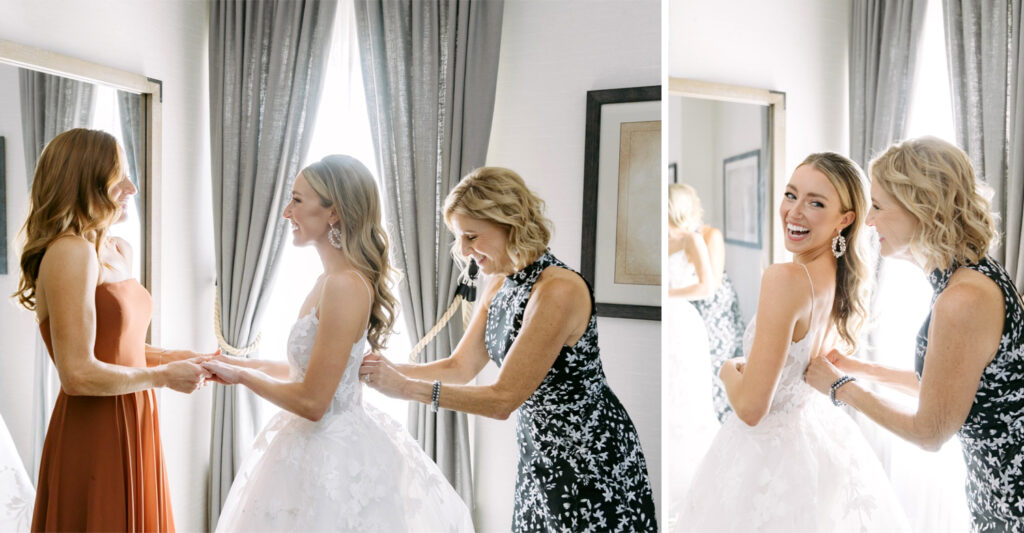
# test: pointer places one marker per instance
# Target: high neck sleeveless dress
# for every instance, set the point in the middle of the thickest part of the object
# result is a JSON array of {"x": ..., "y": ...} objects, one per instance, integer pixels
[
  {"x": 992, "y": 437},
  {"x": 102, "y": 467},
  {"x": 354, "y": 470},
  {"x": 581, "y": 467},
  {"x": 805, "y": 468}
]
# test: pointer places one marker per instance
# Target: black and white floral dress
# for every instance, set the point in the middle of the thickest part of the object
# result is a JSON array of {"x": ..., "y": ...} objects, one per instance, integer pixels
[
  {"x": 581, "y": 467},
  {"x": 992, "y": 437},
  {"x": 721, "y": 314}
]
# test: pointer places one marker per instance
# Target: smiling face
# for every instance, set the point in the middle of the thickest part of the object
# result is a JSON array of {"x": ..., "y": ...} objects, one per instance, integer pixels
[
  {"x": 811, "y": 211},
  {"x": 893, "y": 223},
  {"x": 310, "y": 219},
  {"x": 483, "y": 241}
]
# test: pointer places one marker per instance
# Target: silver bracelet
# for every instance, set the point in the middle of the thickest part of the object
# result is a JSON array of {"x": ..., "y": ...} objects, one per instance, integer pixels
[
  {"x": 835, "y": 386},
  {"x": 435, "y": 396}
]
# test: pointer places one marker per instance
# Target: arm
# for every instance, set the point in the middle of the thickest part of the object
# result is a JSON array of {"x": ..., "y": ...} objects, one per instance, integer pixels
[
  {"x": 343, "y": 308},
  {"x": 696, "y": 253},
  {"x": 470, "y": 355},
  {"x": 751, "y": 389},
  {"x": 962, "y": 340},
  {"x": 716, "y": 254},
  {"x": 900, "y": 379},
  {"x": 554, "y": 316},
  {"x": 69, "y": 272}
]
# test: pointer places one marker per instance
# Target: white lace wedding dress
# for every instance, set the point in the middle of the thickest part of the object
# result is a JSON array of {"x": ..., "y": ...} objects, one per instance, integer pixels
[
  {"x": 354, "y": 470},
  {"x": 689, "y": 412},
  {"x": 805, "y": 468},
  {"x": 17, "y": 496}
]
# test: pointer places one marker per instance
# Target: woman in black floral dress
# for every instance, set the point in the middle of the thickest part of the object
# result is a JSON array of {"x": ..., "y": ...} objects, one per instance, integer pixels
[
  {"x": 926, "y": 208},
  {"x": 581, "y": 467}
]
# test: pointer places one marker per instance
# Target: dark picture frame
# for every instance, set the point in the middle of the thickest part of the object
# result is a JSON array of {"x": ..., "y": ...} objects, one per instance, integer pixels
[
  {"x": 743, "y": 205},
  {"x": 647, "y": 310}
]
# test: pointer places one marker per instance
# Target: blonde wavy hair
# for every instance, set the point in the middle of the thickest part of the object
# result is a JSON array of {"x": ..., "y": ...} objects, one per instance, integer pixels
[
  {"x": 853, "y": 277},
  {"x": 70, "y": 196},
  {"x": 346, "y": 184},
  {"x": 499, "y": 195},
  {"x": 935, "y": 182},
  {"x": 684, "y": 207}
]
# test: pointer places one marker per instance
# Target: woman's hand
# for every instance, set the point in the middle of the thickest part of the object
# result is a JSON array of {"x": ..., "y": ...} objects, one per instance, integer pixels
[
  {"x": 224, "y": 373},
  {"x": 184, "y": 376},
  {"x": 378, "y": 372},
  {"x": 821, "y": 373},
  {"x": 732, "y": 369}
]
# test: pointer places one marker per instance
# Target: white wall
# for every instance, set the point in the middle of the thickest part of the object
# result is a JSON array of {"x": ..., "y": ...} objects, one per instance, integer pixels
[
  {"x": 166, "y": 40},
  {"x": 795, "y": 46},
  {"x": 552, "y": 53}
]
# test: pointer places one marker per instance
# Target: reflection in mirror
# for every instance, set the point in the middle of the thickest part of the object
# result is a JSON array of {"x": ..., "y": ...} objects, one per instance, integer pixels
[
  {"x": 46, "y": 94},
  {"x": 714, "y": 136}
]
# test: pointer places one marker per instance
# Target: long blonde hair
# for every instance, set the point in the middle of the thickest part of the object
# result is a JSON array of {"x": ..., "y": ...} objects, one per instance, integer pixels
[
  {"x": 499, "y": 195},
  {"x": 853, "y": 277},
  {"x": 934, "y": 181},
  {"x": 346, "y": 184},
  {"x": 684, "y": 207},
  {"x": 70, "y": 196}
]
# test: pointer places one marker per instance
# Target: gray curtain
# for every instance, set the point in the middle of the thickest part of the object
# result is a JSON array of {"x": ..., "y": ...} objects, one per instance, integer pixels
[
  {"x": 133, "y": 133},
  {"x": 430, "y": 70},
  {"x": 267, "y": 66},
  {"x": 986, "y": 61},
  {"x": 49, "y": 105},
  {"x": 884, "y": 39}
]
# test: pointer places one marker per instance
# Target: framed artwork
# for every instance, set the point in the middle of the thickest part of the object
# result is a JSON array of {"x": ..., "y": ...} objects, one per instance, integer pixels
[
  {"x": 3, "y": 207},
  {"x": 621, "y": 252},
  {"x": 741, "y": 182}
]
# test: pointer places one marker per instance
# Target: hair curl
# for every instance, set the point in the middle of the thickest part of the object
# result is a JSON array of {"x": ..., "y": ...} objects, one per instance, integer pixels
[
  {"x": 346, "y": 184},
  {"x": 935, "y": 182},
  {"x": 853, "y": 277},
  {"x": 71, "y": 195},
  {"x": 684, "y": 207},
  {"x": 499, "y": 195}
]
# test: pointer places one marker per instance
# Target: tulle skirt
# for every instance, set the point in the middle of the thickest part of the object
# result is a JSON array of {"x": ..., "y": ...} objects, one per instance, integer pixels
[{"x": 357, "y": 470}]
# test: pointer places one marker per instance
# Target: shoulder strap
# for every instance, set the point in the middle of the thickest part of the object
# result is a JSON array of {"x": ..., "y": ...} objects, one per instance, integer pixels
[{"x": 808, "y": 272}]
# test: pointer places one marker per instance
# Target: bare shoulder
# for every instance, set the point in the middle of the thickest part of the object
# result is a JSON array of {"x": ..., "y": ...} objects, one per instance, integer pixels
[
  {"x": 123, "y": 247},
  {"x": 557, "y": 283},
  {"x": 344, "y": 286},
  {"x": 713, "y": 235},
  {"x": 69, "y": 251},
  {"x": 785, "y": 284},
  {"x": 970, "y": 295}
]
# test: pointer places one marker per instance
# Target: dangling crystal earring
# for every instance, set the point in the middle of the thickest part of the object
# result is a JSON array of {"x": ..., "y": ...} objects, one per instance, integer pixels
[
  {"x": 838, "y": 245},
  {"x": 334, "y": 236}
]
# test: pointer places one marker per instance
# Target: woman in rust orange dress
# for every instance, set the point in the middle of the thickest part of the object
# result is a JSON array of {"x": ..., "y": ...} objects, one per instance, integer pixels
[{"x": 102, "y": 466}]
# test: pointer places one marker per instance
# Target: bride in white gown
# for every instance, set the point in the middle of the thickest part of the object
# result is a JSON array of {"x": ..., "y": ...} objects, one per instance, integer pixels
[
  {"x": 328, "y": 462},
  {"x": 788, "y": 461},
  {"x": 689, "y": 422},
  {"x": 16, "y": 493}
]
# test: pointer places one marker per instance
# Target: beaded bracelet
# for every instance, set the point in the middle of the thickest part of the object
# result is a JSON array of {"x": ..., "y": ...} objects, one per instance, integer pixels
[
  {"x": 839, "y": 383},
  {"x": 435, "y": 396}
]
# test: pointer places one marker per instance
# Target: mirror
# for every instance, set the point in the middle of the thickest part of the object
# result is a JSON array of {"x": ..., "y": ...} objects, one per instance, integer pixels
[
  {"x": 43, "y": 90},
  {"x": 727, "y": 143}
]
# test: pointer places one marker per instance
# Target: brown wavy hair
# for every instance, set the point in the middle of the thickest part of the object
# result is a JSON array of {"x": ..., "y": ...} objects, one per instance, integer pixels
[
  {"x": 343, "y": 182},
  {"x": 934, "y": 181},
  {"x": 70, "y": 196},
  {"x": 499, "y": 195},
  {"x": 853, "y": 277}
]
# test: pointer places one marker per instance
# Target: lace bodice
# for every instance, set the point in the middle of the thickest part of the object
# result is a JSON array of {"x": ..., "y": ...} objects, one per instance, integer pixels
[
  {"x": 792, "y": 391},
  {"x": 680, "y": 271},
  {"x": 300, "y": 349}
]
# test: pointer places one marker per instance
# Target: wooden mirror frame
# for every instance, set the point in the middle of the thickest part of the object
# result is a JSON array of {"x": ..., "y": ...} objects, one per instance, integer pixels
[
  {"x": 775, "y": 102},
  {"x": 151, "y": 90}
]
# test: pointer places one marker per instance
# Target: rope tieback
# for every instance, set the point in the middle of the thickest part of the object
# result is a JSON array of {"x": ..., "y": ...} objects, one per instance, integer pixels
[
  {"x": 465, "y": 293},
  {"x": 225, "y": 346}
]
